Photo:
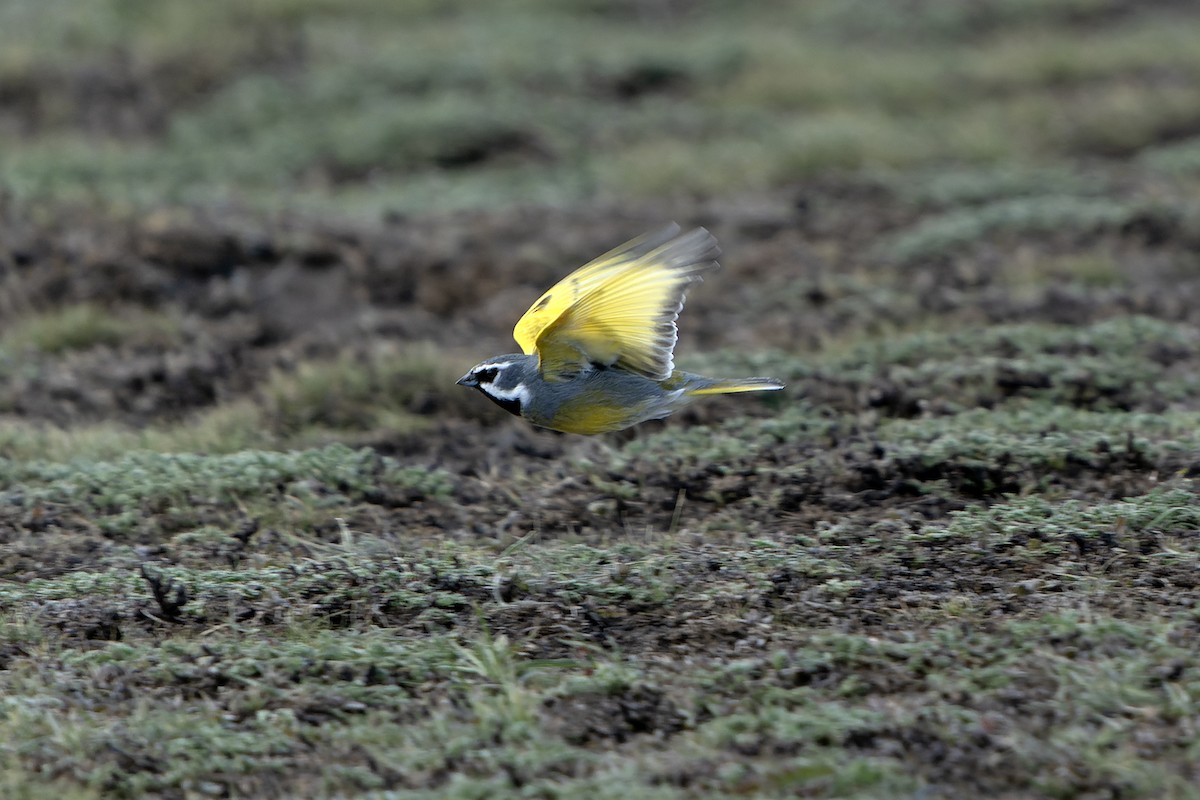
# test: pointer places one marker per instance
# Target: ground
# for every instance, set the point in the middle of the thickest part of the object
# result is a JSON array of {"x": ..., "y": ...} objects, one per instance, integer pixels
[{"x": 256, "y": 543}]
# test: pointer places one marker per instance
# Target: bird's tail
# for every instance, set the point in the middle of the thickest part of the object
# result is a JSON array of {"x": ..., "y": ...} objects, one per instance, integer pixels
[{"x": 706, "y": 386}]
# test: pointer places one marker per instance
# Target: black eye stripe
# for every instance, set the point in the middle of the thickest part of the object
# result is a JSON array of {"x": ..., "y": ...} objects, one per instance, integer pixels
[{"x": 487, "y": 374}]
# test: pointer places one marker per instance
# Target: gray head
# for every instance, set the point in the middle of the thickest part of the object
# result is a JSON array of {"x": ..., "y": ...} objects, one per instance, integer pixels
[{"x": 505, "y": 380}]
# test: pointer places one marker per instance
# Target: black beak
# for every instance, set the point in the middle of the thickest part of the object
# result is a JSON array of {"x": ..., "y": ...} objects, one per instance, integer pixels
[{"x": 467, "y": 380}]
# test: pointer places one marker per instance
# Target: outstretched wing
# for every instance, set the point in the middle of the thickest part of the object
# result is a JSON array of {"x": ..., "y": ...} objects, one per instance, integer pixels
[{"x": 620, "y": 309}]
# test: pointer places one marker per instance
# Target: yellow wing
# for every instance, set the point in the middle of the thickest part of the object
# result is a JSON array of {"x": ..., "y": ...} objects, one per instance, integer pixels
[{"x": 619, "y": 309}]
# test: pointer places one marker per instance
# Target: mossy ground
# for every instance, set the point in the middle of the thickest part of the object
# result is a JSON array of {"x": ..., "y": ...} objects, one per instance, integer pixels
[{"x": 254, "y": 542}]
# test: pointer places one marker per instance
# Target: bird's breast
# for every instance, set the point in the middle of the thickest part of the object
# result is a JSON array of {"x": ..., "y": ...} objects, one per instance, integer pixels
[{"x": 597, "y": 401}]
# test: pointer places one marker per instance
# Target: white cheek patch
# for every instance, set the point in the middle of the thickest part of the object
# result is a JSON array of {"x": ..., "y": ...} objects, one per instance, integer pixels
[
  {"x": 518, "y": 392},
  {"x": 514, "y": 400}
]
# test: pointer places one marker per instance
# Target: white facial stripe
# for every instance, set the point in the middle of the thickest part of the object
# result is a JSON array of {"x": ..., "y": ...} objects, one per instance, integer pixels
[
  {"x": 518, "y": 392},
  {"x": 497, "y": 364}
]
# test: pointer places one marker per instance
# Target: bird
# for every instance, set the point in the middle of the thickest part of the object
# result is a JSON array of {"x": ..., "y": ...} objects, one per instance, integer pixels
[{"x": 598, "y": 346}]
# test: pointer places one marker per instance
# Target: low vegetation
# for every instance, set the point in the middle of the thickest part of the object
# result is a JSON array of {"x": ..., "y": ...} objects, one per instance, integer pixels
[{"x": 254, "y": 542}]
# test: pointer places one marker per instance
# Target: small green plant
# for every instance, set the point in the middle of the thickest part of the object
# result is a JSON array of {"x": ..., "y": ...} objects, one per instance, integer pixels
[
  {"x": 383, "y": 390},
  {"x": 1162, "y": 512},
  {"x": 121, "y": 491},
  {"x": 80, "y": 327},
  {"x": 1176, "y": 158},
  {"x": 950, "y": 232}
]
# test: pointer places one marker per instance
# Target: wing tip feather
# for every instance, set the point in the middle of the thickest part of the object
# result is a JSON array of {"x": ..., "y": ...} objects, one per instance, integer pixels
[{"x": 686, "y": 255}]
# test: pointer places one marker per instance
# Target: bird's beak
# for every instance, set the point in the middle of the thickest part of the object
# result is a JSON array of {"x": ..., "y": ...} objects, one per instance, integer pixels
[{"x": 467, "y": 380}]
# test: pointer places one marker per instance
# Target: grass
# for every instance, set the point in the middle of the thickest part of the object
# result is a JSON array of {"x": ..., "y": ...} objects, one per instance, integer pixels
[
  {"x": 1052, "y": 215},
  {"x": 343, "y": 395},
  {"x": 343, "y": 399},
  {"x": 1049, "y": 526},
  {"x": 80, "y": 327},
  {"x": 945, "y": 189},
  {"x": 805, "y": 701},
  {"x": 379, "y": 105},
  {"x": 116, "y": 496},
  {"x": 1175, "y": 158},
  {"x": 318, "y": 637}
]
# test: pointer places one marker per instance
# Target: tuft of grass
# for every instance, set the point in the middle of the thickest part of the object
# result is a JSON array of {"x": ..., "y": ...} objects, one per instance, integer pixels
[
  {"x": 1092, "y": 270},
  {"x": 1131, "y": 336},
  {"x": 947, "y": 189},
  {"x": 993, "y": 452},
  {"x": 383, "y": 391},
  {"x": 120, "y": 494},
  {"x": 80, "y": 327},
  {"x": 1176, "y": 158},
  {"x": 226, "y": 428},
  {"x": 950, "y": 21},
  {"x": 352, "y": 397},
  {"x": 945, "y": 234},
  {"x": 1047, "y": 528},
  {"x": 1121, "y": 364}
]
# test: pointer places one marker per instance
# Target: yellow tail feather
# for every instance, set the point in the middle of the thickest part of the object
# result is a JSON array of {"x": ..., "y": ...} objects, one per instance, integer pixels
[{"x": 736, "y": 385}]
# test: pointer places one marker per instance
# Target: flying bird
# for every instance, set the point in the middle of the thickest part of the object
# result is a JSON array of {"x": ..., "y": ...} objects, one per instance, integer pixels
[{"x": 597, "y": 348}]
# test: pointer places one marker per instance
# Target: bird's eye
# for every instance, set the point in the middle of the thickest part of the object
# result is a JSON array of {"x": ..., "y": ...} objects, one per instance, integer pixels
[{"x": 487, "y": 374}]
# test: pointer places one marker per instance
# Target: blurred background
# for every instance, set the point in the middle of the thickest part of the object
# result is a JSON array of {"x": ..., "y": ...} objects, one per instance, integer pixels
[{"x": 365, "y": 106}]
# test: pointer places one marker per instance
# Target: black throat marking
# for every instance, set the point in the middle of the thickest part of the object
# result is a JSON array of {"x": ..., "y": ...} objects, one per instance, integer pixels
[
  {"x": 510, "y": 404},
  {"x": 511, "y": 400}
]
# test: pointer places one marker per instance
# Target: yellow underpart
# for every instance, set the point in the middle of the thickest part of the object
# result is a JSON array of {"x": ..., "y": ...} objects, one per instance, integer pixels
[{"x": 590, "y": 418}]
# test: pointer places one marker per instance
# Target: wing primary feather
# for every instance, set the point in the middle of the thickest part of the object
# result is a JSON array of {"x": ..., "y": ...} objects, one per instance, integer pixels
[
  {"x": 639, "y": 246},
  {"x": 680, "y": 259},
  {"x": 619, "y": 309}
]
